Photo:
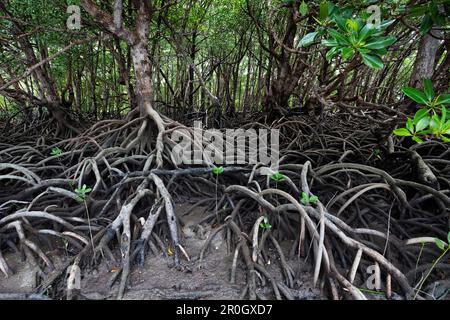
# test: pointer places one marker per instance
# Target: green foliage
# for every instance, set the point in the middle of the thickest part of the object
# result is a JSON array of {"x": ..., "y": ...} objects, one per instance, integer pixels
[
  {"x": 56, "y": 152},
  {"x": 355, "y": 37},
  {"x": 377, "y": 153},
  {"x": 82, "y": 192},
  {"x": 441, "y": 244},
  {"x": 218, "y": 170},
  {"x": 303, "y": 9},
  {"x": 431, "y": 14},
  {"x": 307, "y": 200},
  {"x": 431, "y": 120},
  {"x": 265, "y": 225},
  {"x": 278, "y": 177}
]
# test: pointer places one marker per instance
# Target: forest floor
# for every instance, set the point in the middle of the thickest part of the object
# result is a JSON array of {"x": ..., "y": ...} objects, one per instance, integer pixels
[
  {"x": 382, "y": 204},
  {"x": 158, "y": 279}
]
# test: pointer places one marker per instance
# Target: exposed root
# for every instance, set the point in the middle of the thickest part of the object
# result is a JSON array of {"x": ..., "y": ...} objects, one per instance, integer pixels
[{"x": 370, "y": 212}]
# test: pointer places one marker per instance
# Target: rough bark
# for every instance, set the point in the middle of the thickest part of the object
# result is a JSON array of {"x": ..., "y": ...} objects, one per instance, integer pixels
[{"x": 425, "y": 63}]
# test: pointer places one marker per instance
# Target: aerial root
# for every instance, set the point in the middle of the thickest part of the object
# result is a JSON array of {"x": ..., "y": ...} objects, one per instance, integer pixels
[{"x": 364, "y": 214}]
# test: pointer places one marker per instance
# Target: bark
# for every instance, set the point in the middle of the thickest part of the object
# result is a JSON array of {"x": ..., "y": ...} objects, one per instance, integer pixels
[
  {"x": 48, "y": 91},
  {"x": 425, "y": 63}
]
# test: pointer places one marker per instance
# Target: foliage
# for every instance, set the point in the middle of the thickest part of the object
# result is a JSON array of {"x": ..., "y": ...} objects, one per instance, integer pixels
[
  {"x": 432, "y": 119},
  {"x": 265, "y": 224},
  {"x": 307, "y": 200},
  {"x": 354, "y": 37},
  {"x": 278, "y": 177},
  {"x": 82, "y": 192},
  {"x": 218, "y": 170},
  {"x": 56, "y": 152},
  {"x": 431, "y": 14}
]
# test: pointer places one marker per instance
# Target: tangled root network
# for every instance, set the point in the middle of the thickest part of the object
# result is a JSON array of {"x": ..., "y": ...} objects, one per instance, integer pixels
[{"x": 109, "y": 195}]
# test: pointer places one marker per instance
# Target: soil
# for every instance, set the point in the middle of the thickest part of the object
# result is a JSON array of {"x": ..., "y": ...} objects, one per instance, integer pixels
[{"x": 157, "y": 279}]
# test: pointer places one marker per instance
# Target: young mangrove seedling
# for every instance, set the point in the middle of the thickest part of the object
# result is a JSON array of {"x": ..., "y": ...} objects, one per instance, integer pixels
[
  {"x": 56, "y": 151},
  {"x": 307, "y": 200},
  {"x": 277, "y": 177},
  {"x": 82, "y": 192},
  {"x": 217, "y": 171},
  {"x": 445, "y": 248},
  {"x": 265, "y": 225}
]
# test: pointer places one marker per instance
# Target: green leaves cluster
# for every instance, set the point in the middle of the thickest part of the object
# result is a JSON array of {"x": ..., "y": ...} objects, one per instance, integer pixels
[
  {"x": 82, "y": 192},
  {"x": 307, "y": 200},
  {"x": 324, "y": 21},
  {"x": 431, "y": 14},
  {"x": 278, "y": 177},
  {"x": 218, "y": 170},
  {"x": 442, "y": 245},
  {"x": 349, "y": 36},
  {"x": 56, "y": 151},
  {"x": 355, "y": 37},
  {"x": 265, "y": 224},
  {"x": 433, "y": 119}
]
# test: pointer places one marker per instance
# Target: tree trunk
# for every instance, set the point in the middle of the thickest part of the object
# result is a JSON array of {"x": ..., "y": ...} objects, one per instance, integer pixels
[{"x": 425, "y": 61}]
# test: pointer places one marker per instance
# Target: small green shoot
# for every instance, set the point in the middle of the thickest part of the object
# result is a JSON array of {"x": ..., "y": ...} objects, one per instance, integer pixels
[
  {"x": 56, "y": 152},
  {"x": 218, "y": 170},
  {"x": 278, "y": 177},
  {"x": 445, "y": 248},
  {"x": 82, "y": 192},
  {"x": 377, "y": 153},
  {"x": 265, "y": 225},
  {"x": 307, "y": 200}
]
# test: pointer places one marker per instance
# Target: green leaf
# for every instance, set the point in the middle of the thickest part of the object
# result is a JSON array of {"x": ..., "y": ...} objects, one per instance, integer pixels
[
  {"x": 428, "y": 86},
  {"x": 303, "y": 8},
  {"x": 347, "y": 53},
  {"x": 415, "y": 95},
  {"x": 418, "y": 10},
  {"x": 434, "y": 11},
  {"x": 380, "y": 52},
  {"x": 278, "y": 177},
  {"x": 371, "y": 61},
  {"x": 366, "y": 32},
  {"x": 304, "y": 199},
  {"x": 352, "y": 25},
  {"x": 313, "y": 199},
  {"x": 308, "y": 39},
  {"x": 331, "y": 54},
  {"x": 323, "y": 10},
  {"x": 386, "y": 24},
  {"x": 340, "y": 38},
  {"x": 443, "y": 99},
  {"x": 380, "y": 43},
  {"x": 330, "y": 43},
  {"x": 56, "y": 152},
  {"x": 427, "y": 24},
  {"x": 422, "y": 113},
  {"x": 340, "y": 22},
  {"x": 403, "y": 132},
  {"x": 423, "y": 124},
  {"x": 435, "y": 123},
  {"x": 440, "y": 244},
  {"x": 410, "y": 125},
  {"x": 417, "y": 139},
  {"x": 218, "y": 170}
]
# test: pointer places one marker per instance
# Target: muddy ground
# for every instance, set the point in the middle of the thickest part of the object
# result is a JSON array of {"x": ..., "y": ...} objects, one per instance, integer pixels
[{"x": 157, "y": 279}]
